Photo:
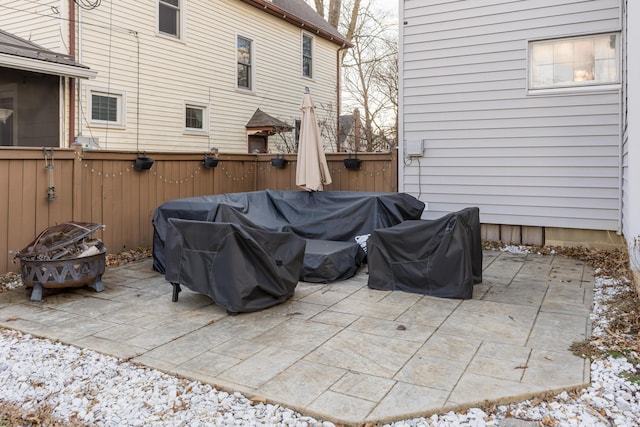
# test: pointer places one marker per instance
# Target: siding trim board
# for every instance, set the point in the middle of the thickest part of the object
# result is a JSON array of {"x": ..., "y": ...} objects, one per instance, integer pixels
[{"x": 533, "y": 158}]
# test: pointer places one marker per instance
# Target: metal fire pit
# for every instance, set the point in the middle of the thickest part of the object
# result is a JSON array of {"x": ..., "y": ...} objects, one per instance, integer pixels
[{"x": 62, "y": 257}]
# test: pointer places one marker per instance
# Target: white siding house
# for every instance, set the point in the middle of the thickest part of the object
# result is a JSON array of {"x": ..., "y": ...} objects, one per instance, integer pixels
[
  {"x": 178, "y": 75},
  {"x": 525, "y": 109},
  {"x": 631, "y": 136},
  {"x": 482, "y": 130}
]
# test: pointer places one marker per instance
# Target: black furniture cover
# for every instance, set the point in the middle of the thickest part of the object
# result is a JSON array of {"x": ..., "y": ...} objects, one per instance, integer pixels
[
  {"x": 327, "y": 261},
  {"x": 322, "y": 215},
  {"x": 243, "y": 269},
  {"x": 441, "y": 258}
]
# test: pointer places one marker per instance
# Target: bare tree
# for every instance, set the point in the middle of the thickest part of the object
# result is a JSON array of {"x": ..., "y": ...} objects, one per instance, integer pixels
[
  {"x": 285, "y": 141},
  {"x": 336, "y": 11},
  {"x": 370, "y": 76},
  {"x": 386, "y": 82}
]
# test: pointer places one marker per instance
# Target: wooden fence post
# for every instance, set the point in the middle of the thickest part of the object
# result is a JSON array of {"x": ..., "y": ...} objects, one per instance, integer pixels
[{"x": 76, "y": 196}]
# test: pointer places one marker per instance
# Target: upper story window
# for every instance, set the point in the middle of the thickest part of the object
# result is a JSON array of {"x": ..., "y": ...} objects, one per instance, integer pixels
[
  {"x": 245, "y": 60},
  {"x": 307, "y": 56},
  {"x": 107, "y": 108},
  {"x": 169, "y": 17},
  {"x": 575, "y": 61}
]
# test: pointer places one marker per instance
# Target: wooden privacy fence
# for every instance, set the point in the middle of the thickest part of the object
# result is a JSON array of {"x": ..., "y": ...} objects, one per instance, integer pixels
[{"x": 103, "y": 187}]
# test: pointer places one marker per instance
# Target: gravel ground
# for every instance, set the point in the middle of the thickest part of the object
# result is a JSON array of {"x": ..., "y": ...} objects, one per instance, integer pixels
[{"x": 49, "y": 383}]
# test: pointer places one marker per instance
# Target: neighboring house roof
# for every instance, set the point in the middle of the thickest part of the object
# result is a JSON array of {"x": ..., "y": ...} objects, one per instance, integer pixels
[
  {"x": 299, "y": 13},
  {"x": 261, "y": 121},
  {"x": 21, "y": 54}
]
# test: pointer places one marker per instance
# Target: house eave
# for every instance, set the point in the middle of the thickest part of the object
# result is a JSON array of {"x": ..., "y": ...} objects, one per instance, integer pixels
[
  {"x": 44, "y": 67},
  {"x": 274, "y": 10}
]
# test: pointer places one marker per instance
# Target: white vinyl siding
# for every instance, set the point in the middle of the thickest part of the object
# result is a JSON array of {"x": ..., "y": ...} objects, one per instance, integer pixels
[
  {"x": 203, "y": 67},
  {"x": 631, "y": 127},
  {"x": 41, "y": 22},
  {"x": 544, "y": 160}
]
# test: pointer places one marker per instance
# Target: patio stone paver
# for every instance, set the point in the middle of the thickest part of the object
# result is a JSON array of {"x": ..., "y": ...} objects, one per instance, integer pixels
[
  {"x": 342, "y": 352},
  {"x": 366, "y": 353},
  {"x": 408, "y": 400},
  {"x": 208, "y": 363},
  {"x": 363, "y": 386},
  {"x": 301, "y": 383},
  {"x": 507, "y": 323},
  {"x": 353, "y": 408},
  {"x": 262, "y": 366}
]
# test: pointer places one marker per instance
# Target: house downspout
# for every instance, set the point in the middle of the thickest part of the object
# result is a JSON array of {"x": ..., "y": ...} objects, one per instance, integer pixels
[
  {"x": 72, "y": 81},
  {"x": 338, "y": 92}
]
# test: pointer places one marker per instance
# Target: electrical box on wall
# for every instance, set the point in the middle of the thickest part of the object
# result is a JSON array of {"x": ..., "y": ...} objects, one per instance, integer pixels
[
  {"x": 414, "y": 148},
  {"x": 88, "y": 143}
]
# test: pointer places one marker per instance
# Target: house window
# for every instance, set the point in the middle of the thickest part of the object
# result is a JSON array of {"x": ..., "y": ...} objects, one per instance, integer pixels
[
  {"x": 244, "y": 63},
  {"x": 576, "y": 61},
  {"x": 106, "y": 108},
  {"x": 195, "y": 118},
  {"x": 307, "y": 51},
  {"x": 169, "y": 17}
]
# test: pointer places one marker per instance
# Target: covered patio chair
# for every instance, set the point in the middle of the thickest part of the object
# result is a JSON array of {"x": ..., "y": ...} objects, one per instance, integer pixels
[
  {"x": 241, "y": 268},
  {"x": 441, "y": 258}
]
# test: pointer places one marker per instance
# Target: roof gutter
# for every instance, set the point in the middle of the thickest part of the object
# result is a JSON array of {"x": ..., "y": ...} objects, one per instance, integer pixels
[
  {"x": 39, "y": 66},
  {"x": 274, "y": 10}
]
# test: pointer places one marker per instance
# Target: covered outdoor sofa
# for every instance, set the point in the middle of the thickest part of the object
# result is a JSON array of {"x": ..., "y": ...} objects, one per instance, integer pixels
[
  {"x": 188, "y": 249},
  {"x": 247, "y": 251}
]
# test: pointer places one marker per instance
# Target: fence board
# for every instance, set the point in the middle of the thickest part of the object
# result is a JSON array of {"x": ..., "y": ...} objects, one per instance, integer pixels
[
  {"x": 26, "y": 216},
  {"x": 5, "y": 258},
  {"x": 15, "y": 232}
]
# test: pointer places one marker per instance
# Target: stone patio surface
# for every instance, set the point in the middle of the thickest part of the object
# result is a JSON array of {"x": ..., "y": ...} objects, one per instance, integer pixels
[{"x": 342, "y": 352}]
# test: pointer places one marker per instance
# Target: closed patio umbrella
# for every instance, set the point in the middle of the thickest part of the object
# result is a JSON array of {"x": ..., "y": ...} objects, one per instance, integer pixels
[{"x": 312, "y": 172}]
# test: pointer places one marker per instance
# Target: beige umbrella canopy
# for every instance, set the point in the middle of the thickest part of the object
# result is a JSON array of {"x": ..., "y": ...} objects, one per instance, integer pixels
[{"x": 312, "y": 172}]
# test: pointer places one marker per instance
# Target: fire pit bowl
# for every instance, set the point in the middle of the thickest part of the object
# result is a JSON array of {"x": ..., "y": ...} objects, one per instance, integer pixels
[{"x": 63, "y": 256}]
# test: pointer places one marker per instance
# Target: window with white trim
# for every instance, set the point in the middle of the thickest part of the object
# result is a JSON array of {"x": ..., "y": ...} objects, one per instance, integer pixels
[
  {"x": 195, "y": 118},
  {"x": 106, "y": 107},
  {"x": 245, "y": 63},
  {"x": 575, "y": 61},
  {"x": 307, "y": 56},
  {"x": 169, "y": 17}
]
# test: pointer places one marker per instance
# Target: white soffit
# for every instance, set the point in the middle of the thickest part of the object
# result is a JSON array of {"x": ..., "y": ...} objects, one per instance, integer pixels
[{"x": 45, "y": 67}]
